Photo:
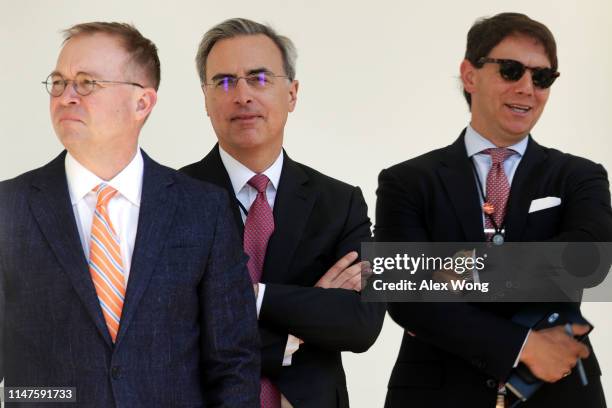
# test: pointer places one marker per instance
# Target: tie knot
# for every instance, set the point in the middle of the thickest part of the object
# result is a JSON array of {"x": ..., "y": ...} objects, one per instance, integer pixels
[
  {"x": 499, "y": 154},
  {"x": 105, "y": 193},
  {"x": 259, "y": 182}
]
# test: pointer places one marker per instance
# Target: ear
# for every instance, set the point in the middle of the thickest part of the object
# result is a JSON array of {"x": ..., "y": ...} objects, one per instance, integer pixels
[
  {"x": 293, "y": 90},
  {"x": 145, "y": 103},
  {"x": 468, "y": 76}
]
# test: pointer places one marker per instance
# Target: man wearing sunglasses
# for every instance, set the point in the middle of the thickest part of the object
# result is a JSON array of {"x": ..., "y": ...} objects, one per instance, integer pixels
[
  {"x": 483, "y": 187},
  {"x": 301, "y": 229},
  {"x": 122, "y": 282}
]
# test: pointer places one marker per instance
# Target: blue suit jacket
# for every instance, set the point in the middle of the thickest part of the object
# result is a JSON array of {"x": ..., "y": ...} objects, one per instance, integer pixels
[{"x": 188, "y": 334}]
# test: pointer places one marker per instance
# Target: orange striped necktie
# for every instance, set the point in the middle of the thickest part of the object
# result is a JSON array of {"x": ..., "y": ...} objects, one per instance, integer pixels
[{"x": 105, "y": 263}]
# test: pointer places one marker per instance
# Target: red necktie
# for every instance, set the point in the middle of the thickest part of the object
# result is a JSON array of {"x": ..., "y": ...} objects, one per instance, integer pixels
[
  {"x": 498, "y": 187},
  {"x": 258, "y": 227}
]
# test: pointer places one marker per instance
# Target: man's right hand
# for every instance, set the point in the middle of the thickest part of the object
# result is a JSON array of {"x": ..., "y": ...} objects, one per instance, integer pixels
[
  {"x": 550, "y": 354},
  {"x": 343, "y": 274}
]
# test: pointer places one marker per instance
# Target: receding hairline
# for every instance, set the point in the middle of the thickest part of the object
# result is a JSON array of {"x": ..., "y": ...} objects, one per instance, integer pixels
[
  {"x": 256, "y": 66},
  {"x": 129, "y": 66},
  {"x": 236, "y": 27}
]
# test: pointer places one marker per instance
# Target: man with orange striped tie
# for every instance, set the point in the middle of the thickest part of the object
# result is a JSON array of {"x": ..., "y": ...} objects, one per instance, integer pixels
[{"x": 123, "y": 283}]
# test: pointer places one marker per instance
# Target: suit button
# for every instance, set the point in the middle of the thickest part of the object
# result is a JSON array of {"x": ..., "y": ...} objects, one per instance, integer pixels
[
  {"x": 116, "y": 372},
  {"x": 478, "y": 363},
  {"x": 491, "y": 383}
]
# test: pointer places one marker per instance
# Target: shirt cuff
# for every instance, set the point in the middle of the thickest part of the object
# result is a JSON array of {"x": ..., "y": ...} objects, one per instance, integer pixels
[
  {"x": 293, "y": 344},
  {"x": 260, "y": 295},
  {"x": 518, "y": 358}
]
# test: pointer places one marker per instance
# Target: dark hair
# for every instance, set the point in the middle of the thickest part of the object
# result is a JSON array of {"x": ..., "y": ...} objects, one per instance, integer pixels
[
  {"x": 236, "y": 27},
  {"x": 486, "y": 33},
  {"x": 143, "y": 51}
]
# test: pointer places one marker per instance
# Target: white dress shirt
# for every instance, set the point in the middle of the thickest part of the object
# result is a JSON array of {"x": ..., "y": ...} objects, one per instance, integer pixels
[
  {"x": 475, "y": 143},
  {"x": 239, "y": 176},
  {"x": 123, "y": 208}
]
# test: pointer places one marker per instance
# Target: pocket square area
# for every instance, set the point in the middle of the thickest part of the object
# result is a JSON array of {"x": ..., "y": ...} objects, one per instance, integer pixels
[{"x": 544, "y": 203}]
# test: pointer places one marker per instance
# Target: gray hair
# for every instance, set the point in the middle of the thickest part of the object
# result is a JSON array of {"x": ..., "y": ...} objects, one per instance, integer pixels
[{"x": 241, "y": 26}]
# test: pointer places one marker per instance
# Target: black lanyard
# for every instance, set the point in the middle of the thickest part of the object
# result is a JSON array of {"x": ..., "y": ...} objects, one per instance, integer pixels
[
  {"x": 498, "y": 236},
  {"x": 242, "y": 207}
]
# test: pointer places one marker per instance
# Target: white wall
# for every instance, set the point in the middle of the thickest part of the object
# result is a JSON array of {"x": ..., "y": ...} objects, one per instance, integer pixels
[{"x": 379, "y": 84}]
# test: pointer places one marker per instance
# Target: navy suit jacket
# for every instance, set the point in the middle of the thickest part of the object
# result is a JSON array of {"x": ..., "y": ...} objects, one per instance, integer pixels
[
  {"x": 188, "y": 334},
  {"x": 462, "y": 351},
  {"x": 317, "y": 220}
]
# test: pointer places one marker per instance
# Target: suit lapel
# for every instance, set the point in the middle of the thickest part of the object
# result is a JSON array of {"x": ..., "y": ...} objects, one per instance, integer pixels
[
  {"x": 292, "y": 207},
  {"x": 157, "y": 208},
  {"x": 523, "y": 189},
  {"x": 458, "y": 179},
  {"x": 212, "y": 170},
  {"x": 52, "y": 209}
]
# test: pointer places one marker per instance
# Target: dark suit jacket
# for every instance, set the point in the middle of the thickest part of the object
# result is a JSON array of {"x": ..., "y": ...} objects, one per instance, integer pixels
[
  {"x": 317, "y": 220},
  {"x": 188, "y": 334},
  {"x": 462, "y": 351}
]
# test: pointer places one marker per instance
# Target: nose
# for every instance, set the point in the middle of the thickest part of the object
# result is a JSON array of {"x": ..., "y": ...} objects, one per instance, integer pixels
[
  {"x": 243, "y": 92},
  {"x": 70, "y": 95},
  {"x": 525, "y": 84}
]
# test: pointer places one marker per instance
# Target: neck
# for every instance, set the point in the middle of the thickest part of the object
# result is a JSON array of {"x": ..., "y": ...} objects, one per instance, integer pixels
[
  {"x": 105, "y": 164},
  {"x": 499, "y": 139},
  {"x": 256, "y": 160}
]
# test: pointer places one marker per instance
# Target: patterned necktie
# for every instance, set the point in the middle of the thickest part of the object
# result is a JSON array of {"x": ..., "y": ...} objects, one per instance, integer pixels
[
  {"x": 498, "y": 187},
  {"x": 258, "y": 227},
  {"x": 105, "y": 264}
]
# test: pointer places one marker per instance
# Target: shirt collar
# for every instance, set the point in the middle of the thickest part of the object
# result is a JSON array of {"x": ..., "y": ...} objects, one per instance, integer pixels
[
  {"x": 476, "y": 143},
  {"x": 128, "y": 182},
  {"x": 239, "y": 174}
]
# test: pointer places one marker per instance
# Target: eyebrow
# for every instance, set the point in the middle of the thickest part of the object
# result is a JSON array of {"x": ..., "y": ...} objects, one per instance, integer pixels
[
  {"x": 526, "y": 66},
  {"x": 249, "y": 72},
  {"x": 56, "y": 72}
]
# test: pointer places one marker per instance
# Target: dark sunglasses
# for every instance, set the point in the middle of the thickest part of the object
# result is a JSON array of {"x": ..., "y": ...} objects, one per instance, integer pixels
[{"x": 512, "y": 70}]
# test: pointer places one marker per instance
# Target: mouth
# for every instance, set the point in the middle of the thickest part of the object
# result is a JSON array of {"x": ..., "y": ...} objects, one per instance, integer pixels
[
  {"x": 517, "y": 108},
  {"x": 245, "y": 117},
  {"x": 69, "y": 119}
]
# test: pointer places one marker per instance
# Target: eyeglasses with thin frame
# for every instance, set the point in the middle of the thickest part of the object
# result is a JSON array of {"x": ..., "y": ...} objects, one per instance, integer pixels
[
  {"x": 512, "y": 70},
  {"x": 260, "y": 80},
  {"x": 83, "y": 84}
]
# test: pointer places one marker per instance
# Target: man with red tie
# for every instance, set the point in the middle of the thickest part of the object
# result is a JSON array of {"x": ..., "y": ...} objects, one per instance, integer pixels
[
  {"x": 494, "y": 183},
  {"x": 301, "y": 229},
  {"x": 122, "y": 282}
]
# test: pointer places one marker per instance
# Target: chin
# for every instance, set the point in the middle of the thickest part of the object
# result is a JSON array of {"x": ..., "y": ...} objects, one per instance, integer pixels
[
  {"x": 517, "y": 130},
  {"x": 69, "y": 138},
  {"x": 248, "y": 140}
]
